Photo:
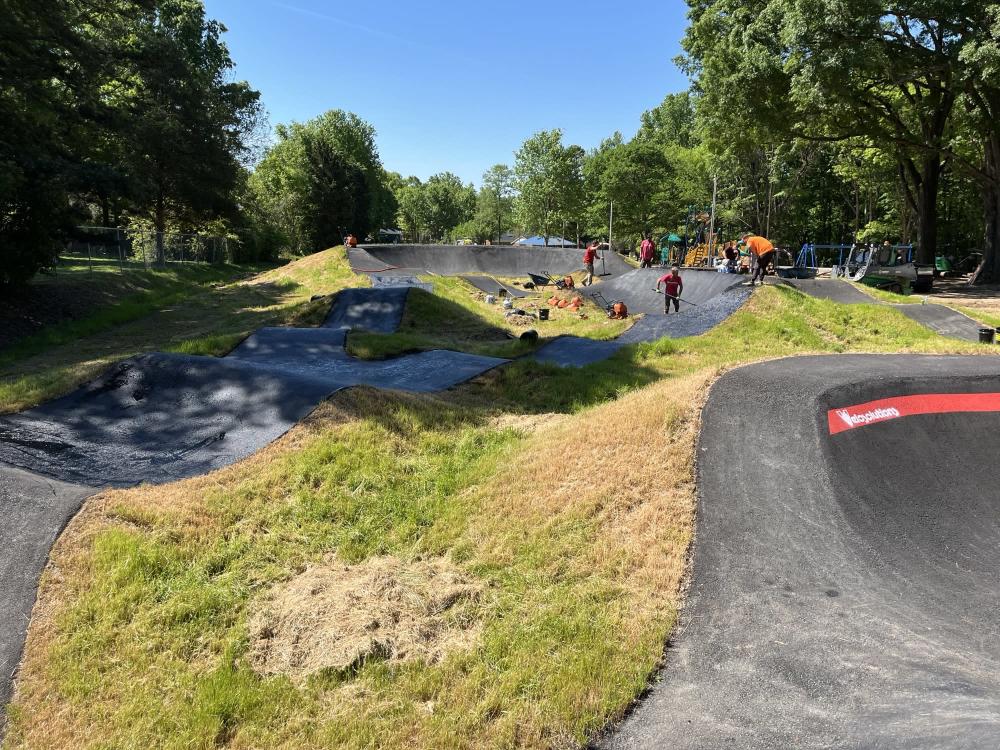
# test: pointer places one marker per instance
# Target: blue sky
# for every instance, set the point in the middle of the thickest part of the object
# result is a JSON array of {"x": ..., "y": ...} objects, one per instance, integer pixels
[{"x": 457, "y": 86}]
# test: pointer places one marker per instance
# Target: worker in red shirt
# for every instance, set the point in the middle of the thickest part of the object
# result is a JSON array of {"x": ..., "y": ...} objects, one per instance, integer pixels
[
  {"x": 673, "y": 287},
  {"x": 589, "y": 256},
  {"x": 763, "y": 253},
  {"x": 647, "y": 250}
]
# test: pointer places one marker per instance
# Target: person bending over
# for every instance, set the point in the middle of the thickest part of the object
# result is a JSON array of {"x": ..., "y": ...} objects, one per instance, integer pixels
[
  {"x": 673, "y": 287},
  {"x": 763, "y": 253}
]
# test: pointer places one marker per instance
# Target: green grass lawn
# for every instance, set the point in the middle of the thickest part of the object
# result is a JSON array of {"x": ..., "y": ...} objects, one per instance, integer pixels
[
  {"x": 526, "y": 479},
  {"x": 193, "y": 310},
  {"x": 127, "y": 296}
]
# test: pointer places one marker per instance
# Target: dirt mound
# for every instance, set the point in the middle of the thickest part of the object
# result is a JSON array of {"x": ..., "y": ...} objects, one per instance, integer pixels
[{"x": 336, "y": 616}]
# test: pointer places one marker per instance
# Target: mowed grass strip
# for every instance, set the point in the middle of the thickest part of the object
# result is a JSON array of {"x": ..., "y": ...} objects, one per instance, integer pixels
[
  {"x": 568, "y": 494},
  {"x": 196, "y": 320}
]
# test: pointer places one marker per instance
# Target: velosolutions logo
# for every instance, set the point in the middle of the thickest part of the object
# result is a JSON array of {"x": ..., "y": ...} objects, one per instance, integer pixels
[
  {"x": 860, "y": 415},
  {"x": 875, "y": 415}
]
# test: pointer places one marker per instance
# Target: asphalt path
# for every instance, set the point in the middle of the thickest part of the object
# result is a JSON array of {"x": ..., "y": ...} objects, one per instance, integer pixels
[
  {"x": 35, "y": 511},
  {"x": 845, "y": 589},
  {"x": 939, "y": 318}
]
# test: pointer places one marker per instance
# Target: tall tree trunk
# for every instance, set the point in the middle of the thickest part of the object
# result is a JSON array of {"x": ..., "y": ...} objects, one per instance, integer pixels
[
  {"x": 989, "y": 271},
  {"x": 159, "y": 226},
  {"x": 930, "y": 181}
]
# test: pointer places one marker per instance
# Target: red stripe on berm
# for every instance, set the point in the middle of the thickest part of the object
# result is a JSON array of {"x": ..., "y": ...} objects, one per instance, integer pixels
[{"x": 885, "y": 409}]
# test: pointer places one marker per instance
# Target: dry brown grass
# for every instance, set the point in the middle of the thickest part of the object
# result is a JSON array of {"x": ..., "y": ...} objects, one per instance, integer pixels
[
  {"x": 627, "y": 466},
  {"x": 334, "y": 616}
]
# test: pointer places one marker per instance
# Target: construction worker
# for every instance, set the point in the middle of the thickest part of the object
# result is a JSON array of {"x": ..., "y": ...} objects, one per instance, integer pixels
[
  {"x": 647, "y": 251},
  {"x": 673, "y": 287},
  {"x": 589, "y": 256},
  {"x": 763, "y": 253}
]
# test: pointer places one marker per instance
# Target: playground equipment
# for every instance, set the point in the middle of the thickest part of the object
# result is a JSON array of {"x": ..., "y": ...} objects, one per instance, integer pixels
[
  {"x": 888, "y": 267},
  {"x": 699, "y": 245}
]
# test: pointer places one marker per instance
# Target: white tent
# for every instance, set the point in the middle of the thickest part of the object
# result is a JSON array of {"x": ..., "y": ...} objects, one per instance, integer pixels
[{"x": 539, "y": 241}]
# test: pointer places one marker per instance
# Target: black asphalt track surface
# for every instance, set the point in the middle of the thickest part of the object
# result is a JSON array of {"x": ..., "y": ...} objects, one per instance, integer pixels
[
  {"x": 940, "y": 319},
  {"x": 716, "y": 296},
  {"x": 637, "y": 288},
  {"x": 35, "y": 510},
  {"x": 495, "y": 260},
  {"x": 845, "y": 589},
  {"x": 161, "y": 417},
  {"x": 491, "y": 286},
  {"x": 377, "y": 310}
]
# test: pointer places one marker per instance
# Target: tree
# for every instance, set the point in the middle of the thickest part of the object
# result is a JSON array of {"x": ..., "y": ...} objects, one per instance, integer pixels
[
  {"x": 412, "y": 211},
  {"x": 50, "y": 76},
  {"x": 978, "y": 71},
  {"x": 496, "y": 198},
  {"x": 670, "y": 123},
  {"x": 336, "y": 194},
  {"x": 186, "y": 121},
  {"x": 448, "y": 203},
  {"x": 285, "y": 182},
  {"x": 830, "y": 71},
  {"x": 638, "y": 178},
  {"x": 549, "y": 180}
]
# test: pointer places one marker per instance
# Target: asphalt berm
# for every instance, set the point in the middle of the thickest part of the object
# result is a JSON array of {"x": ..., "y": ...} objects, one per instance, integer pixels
[
  {"x": 708, "y": 299},
  {"x": 938, "y": 318},
  {"x": 494, "y": 260},
  {"x": 844, "y": 589}
]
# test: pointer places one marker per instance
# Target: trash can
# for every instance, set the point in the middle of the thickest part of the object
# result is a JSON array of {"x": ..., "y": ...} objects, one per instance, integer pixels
[
  {"x": 987, "y": 335},
  {"x": 543, "y": 313}
]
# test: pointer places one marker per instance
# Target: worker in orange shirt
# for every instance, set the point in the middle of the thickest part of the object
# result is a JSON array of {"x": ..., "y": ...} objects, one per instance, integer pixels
[{"x": 763, "y": 252}]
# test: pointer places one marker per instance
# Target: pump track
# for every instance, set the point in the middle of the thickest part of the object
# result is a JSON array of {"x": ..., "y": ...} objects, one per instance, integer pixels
[{"x": 844, "y": 589}]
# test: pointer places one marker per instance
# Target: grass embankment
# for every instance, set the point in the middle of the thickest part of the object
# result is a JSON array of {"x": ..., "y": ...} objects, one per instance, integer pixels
[
  {"x": 197, "y": 315},
  {"x": 456, "y": 316},
  {"x": 567, "y": 494},
  {"x": 986, "y": 311},
  {"x": 52, "y": 310}
]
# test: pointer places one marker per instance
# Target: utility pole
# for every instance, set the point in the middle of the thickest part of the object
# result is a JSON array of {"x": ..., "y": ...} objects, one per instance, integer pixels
[
  {"x": 711, "y": 226},
  {"x": 611, "y": 224}
]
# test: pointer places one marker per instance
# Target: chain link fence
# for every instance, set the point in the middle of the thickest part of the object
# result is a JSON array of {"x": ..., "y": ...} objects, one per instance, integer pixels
[{"x": 140, "y": 248}]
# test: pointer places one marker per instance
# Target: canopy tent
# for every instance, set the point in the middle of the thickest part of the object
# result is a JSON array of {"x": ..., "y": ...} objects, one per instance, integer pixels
[{"x": 539, "y": 241}]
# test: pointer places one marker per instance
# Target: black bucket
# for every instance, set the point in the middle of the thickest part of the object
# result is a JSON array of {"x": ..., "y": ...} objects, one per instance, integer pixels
[
  {"x": 543, "y": 313},
  {"x": 987, "y": 335}
]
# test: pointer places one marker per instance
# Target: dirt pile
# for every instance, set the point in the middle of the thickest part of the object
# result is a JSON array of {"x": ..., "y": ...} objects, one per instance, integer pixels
[{"x": 334, "y": 616}]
